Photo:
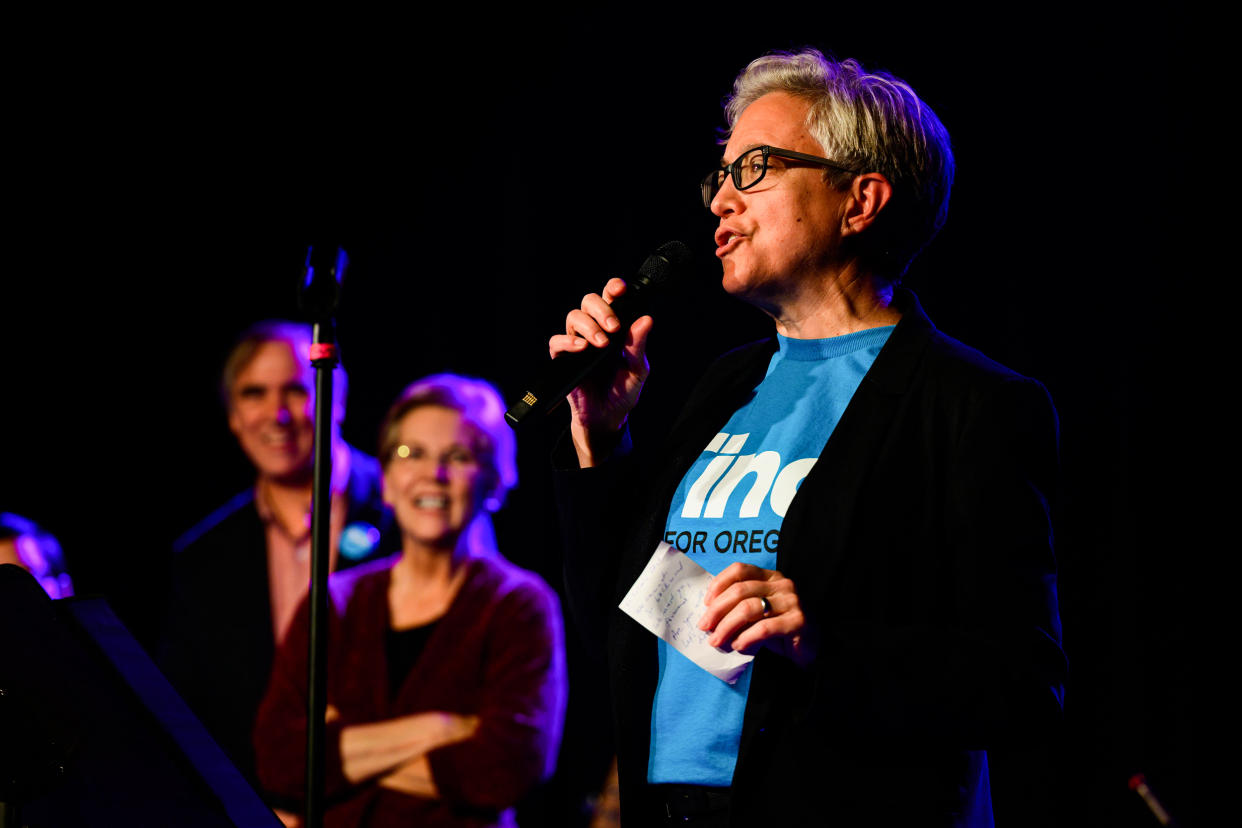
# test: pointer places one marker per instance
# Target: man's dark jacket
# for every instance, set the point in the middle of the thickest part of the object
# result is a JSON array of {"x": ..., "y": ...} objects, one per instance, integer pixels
[
  {"x": 217, "y": 645},
  {"x": 920, "y": 545}
]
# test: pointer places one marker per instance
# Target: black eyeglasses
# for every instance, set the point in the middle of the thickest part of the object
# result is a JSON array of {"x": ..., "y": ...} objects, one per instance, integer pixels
[{"x": 749, "y": 168}]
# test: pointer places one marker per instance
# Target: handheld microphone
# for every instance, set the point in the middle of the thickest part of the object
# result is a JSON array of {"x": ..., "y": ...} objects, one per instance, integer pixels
[{"x": 568, "y": 370}]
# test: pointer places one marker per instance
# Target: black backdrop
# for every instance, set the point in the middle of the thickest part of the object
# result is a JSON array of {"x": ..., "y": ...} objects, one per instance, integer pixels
[{"x": 484, "y": 173}]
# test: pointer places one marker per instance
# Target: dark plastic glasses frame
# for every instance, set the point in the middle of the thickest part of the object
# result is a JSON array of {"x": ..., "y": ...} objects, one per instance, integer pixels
[{"x": 713, "y": 181}]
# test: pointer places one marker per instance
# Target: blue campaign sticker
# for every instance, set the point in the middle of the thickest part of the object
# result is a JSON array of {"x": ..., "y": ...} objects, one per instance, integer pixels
[{"x": 358, "y": 540}]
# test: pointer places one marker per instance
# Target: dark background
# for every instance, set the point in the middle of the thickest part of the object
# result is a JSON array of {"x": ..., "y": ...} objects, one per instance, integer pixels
[{"x": 484, "y": 172}]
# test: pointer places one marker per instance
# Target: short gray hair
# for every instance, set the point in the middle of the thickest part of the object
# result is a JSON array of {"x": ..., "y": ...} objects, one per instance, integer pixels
[{"x": 869, "y": 122}]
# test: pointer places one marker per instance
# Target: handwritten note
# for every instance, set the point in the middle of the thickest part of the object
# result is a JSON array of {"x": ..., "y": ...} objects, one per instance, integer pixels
[{"x": 667, "y": 599}]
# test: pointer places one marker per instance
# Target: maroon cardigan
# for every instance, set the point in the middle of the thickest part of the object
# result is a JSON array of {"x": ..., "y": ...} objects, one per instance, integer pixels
[{"x": 498, "y": 653}]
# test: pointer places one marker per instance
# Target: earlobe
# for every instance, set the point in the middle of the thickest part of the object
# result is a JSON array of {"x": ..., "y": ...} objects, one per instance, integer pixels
[
  {"x": 490, "y": 500},
  {"x": 869, "y": 193}
]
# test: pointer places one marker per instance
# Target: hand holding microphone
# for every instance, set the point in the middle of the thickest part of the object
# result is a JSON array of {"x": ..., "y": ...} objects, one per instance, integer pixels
[
  {"x": 600, "y": 361},
  {"x": 601, "y": 404}
]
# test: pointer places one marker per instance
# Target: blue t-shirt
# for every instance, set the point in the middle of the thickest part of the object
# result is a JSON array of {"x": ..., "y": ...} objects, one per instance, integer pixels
[{"x": 729, "y": 507}]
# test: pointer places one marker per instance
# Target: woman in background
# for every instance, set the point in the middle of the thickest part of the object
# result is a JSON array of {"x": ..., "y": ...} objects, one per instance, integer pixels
[{"x": 446, "y": 678}]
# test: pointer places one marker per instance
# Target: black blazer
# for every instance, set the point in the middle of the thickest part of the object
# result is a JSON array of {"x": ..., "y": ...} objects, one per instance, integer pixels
[
  {"x": 216, "y": 644},
  {"x": 920, "y": 545}
]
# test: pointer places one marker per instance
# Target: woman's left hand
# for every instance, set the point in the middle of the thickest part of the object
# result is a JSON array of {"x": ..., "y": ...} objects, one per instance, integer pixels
[
  {"x": 749, "y": 607},
  {"x": 413, "y": 778}
]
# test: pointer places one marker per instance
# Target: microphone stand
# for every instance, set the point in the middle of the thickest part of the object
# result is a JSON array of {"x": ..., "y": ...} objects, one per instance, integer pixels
[{"x": 319, "y": 295}]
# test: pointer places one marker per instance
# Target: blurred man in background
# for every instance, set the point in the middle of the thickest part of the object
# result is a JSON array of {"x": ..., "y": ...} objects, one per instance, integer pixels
[{"x": 238, "y": 576}]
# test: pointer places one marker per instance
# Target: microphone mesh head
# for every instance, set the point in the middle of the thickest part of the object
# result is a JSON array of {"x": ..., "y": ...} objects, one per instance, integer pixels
[{"x": 668, "y": 259}]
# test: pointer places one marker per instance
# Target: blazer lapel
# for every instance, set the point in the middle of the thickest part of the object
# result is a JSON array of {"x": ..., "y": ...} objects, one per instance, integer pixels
[
  {"x": 697, "y": 424},
  {"x": 811, "y": 544}
]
